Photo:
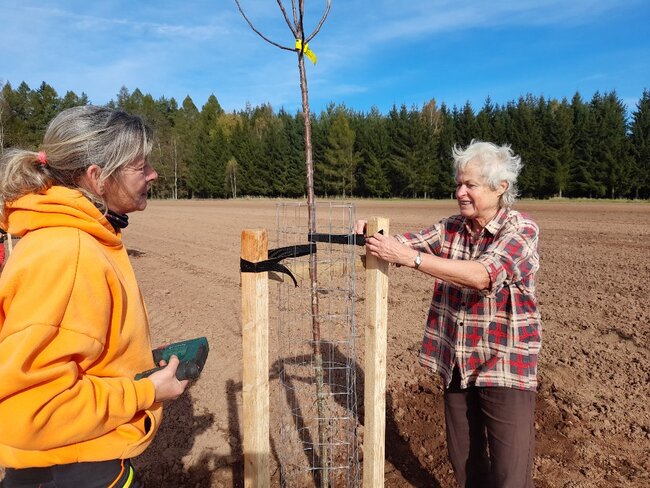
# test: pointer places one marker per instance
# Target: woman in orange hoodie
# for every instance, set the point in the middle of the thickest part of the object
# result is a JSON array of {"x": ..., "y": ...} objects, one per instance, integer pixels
[{"x": 73, "y": 326}]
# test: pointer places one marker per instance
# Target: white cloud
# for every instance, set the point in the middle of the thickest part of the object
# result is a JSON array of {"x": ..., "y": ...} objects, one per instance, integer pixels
[{"x": 205, "y": 46}]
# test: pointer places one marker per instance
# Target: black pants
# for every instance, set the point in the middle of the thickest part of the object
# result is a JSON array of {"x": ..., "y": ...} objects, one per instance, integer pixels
[
  {"x": 490, "y": 435},
  {"x": 104, "y": 474}
]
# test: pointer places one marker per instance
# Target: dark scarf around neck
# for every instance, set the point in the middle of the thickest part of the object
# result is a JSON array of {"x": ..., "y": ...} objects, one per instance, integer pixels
[{"x": 117, "y": 220}]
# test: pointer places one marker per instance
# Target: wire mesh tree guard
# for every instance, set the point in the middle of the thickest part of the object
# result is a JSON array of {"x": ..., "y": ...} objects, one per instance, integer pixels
[
  {"x": 318, "y": 422},
  {"x": 325, "y": 359},
  {"x": 315, "y": 418}
]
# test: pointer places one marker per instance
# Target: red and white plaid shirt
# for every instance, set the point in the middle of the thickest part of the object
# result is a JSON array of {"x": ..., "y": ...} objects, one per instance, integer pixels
[{"x": 493, "y": 335}]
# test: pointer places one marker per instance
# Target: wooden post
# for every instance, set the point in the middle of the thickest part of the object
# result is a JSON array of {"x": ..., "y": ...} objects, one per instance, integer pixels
[
  {"x": 255, "y": 380},
  {"x": 374, "y": 398}
]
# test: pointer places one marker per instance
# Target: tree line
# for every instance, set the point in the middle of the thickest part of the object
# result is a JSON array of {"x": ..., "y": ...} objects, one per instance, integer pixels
[{"x": 573, "y": 148}]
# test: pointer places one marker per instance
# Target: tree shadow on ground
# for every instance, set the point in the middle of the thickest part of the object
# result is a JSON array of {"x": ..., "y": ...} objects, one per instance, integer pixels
[
  {"x": 398, "y": 449},
  {"x": 400, "y": 454},
  {"x": 161, "y": 464}
]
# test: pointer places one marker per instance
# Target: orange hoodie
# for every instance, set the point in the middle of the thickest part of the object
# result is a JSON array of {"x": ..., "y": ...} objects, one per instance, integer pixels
[{"x": 73, "y": 334}]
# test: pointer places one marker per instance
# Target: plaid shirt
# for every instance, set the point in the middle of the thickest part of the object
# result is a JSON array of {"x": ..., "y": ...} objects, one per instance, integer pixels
[{"x": 493, "y": 335}]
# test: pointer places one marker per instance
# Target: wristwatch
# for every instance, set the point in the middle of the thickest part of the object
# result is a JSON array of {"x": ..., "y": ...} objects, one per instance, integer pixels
[{"x": 418, "y": 260}]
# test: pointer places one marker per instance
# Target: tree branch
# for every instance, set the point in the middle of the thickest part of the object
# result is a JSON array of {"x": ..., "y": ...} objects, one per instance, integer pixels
[
  {"x": 320, "y": 24},
  {"x": 286, "y": 17},
  {"x": 241, "y": 11}
]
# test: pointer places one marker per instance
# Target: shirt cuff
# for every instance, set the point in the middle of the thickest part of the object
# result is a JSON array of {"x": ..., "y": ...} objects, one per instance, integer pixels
[{"x": 493, "y": 271}]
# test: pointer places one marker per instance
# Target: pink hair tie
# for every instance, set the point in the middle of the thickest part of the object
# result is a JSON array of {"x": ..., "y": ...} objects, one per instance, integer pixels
[{"x": 42, "y": 158}]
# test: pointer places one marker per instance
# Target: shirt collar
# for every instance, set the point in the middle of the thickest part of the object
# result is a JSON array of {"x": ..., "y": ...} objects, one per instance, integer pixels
[{"x": 493, "y": 225}]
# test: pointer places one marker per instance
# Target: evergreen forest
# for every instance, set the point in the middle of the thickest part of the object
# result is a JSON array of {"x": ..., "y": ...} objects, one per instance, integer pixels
[{"x": 572, "y": 148}]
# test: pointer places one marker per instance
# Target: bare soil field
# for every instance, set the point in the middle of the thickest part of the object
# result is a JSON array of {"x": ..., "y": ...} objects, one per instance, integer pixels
[{"x": 593, "y": 421}]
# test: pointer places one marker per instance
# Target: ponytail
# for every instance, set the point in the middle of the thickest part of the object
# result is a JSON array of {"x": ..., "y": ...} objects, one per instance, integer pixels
[{"x": 21, "y": 172}]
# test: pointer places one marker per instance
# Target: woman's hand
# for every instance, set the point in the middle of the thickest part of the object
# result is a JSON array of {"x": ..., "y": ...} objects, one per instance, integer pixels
[
  {"x": 387, "y": 248},
  {"x": 165, "y": 382},
  {"x": 391, "y": 250}
]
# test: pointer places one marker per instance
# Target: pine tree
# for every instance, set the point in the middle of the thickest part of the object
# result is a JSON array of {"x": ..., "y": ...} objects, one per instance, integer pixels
[
  {"x": 206, "y": 171},
  {"x": 527, "y": 142},
  {"x": 640, "y": 142},
  {"x": 341, "y": 160},
  {"x": 183, "y": 142},
  {"x": 277, "y": 157},
  {"x": 45, "y": 104},
  {"x": 320, "y": 127},
  {"x": 19, "y": 131},
  {"x": 297, "y": 177},
  {"x": 502, "y": 125},
  {"x": 4, "y": 114},
  {"x": 242, "y": 149},
  {"x": 403, "y": 161},
  {"x": 555, "y": 122},
  {"x": 465, "y": 125},
  {"x": 446, "y": 180},
  {"x": 485, "y": 122},
  {"x": 583, "y": 182},
  {"x": 611, "y": 161},
  {"x": 71, "y": 99},
  {"x": 429, "y": 124},
  {"x": 373, "y": 142},
  {"x": 559, "y": 136}
]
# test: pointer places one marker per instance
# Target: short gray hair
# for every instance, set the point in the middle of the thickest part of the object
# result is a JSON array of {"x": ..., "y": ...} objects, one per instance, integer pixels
[
  {"x": 496, "y": 164},
  {"x": 75, "y": 139}
]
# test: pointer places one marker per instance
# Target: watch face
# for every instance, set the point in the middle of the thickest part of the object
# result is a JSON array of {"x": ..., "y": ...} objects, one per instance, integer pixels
[{"x": 418, "y": 260}]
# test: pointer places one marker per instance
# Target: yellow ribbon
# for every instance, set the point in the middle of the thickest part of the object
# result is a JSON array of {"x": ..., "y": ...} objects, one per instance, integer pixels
[{"x": 308, "y": 52}]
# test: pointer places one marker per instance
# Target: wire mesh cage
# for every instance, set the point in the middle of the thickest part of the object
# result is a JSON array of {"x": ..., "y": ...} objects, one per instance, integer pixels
[{"x": 317, "y": 368}]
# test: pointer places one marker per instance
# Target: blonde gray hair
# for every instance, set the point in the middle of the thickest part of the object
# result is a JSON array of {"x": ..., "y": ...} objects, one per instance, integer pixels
[
  {"x": 495, "y": 163},
  {"x": 75, "y": 139}
]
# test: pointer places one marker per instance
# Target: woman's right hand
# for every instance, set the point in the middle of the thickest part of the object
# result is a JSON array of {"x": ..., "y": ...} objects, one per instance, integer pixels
[{"x": 165, "y": 382}]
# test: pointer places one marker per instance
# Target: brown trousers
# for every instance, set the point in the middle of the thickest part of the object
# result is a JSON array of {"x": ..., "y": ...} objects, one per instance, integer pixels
[{"x": 490, "y": 435}]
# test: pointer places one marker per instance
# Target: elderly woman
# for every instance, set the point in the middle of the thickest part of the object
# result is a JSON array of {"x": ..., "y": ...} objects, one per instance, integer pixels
[
  {"x": 483, "y": 332},
  {"x": 73, "y": 326}
]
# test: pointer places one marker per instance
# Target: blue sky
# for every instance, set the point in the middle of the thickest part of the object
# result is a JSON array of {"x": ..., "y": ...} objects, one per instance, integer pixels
[{"x": 370, "y": 52}]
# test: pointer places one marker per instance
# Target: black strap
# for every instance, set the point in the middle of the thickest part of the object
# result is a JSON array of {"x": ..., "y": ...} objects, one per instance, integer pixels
[
  {"x": 356, "y": 239},
  {"x": 275, "y": 256}
]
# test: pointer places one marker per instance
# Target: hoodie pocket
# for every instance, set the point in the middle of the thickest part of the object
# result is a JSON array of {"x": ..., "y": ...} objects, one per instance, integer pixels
[{"x": 141, "y": 432}]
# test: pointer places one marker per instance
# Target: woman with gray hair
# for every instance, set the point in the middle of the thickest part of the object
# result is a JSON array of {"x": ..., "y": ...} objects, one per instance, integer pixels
[
  {"x": 483, "y": 332},
  {"x": 73, "y": 326}
]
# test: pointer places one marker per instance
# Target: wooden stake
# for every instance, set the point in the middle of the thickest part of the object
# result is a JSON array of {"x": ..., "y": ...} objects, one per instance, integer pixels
[
  {"x": 374, "y": 399},
  {"x": 255, "y": 384}
]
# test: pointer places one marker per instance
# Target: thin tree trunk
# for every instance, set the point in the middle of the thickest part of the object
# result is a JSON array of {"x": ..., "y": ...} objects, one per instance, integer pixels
[
  {"x": 296, "y": 27},
  {"x": 313, "y": 275},
  {"x": 175, "y": 189}
]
